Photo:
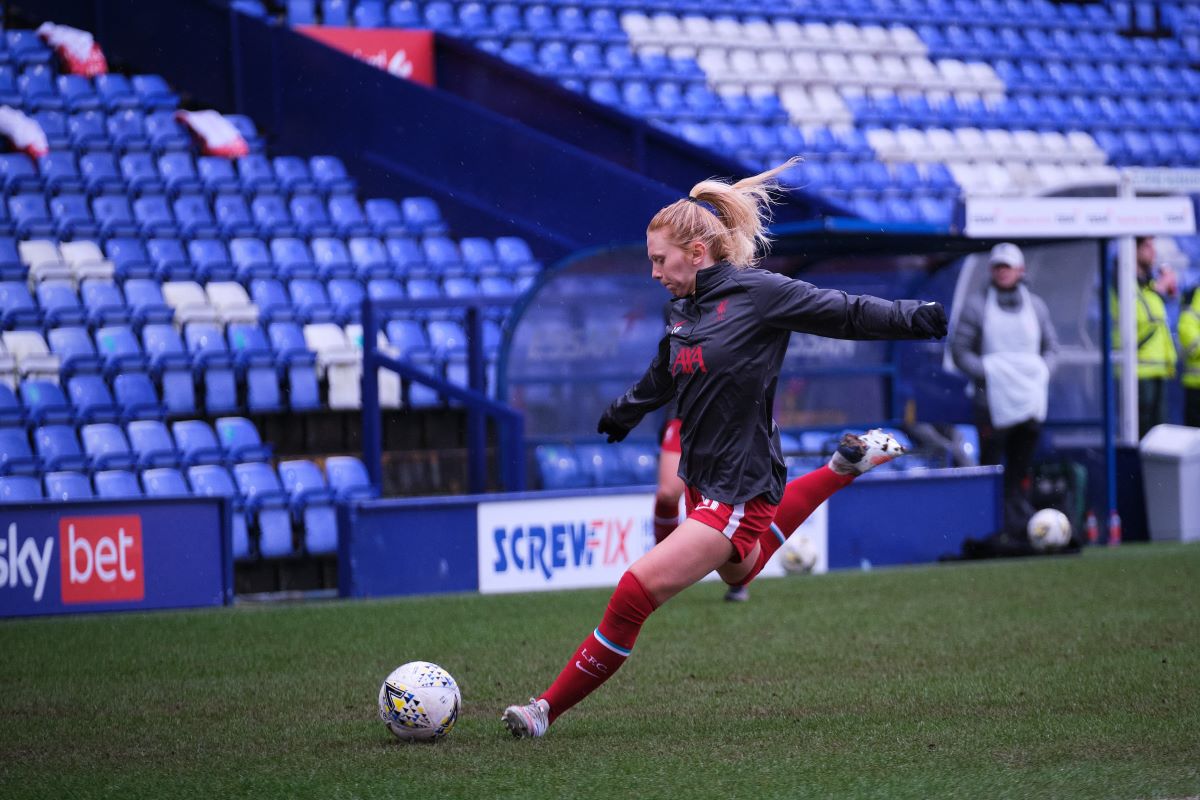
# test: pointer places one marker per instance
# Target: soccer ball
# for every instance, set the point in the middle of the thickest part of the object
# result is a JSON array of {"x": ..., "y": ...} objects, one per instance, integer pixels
[
  {"x": 1049, "y": 529},
  {"x": 419, "y": 702},
  {"x": 799, "y": 556}
]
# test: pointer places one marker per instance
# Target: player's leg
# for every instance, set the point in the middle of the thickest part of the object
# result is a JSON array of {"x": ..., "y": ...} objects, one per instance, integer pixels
[
  {"x": 670, "y": 485},
  {"x": 693, "y": 550},
  {"x": 856, "y": 454}
]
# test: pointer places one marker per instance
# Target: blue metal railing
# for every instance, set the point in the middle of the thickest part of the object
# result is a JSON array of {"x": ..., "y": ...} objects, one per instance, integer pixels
[{"x": 510, "y": 423}]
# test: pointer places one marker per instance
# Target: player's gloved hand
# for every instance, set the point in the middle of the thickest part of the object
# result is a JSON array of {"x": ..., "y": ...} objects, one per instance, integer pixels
[
  {"x": 929, "y": 321},
  {"x": 609, "y": 426}
]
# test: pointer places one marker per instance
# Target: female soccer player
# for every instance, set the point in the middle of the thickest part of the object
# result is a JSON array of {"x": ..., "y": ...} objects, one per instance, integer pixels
[{"x": 720, "y": 362}]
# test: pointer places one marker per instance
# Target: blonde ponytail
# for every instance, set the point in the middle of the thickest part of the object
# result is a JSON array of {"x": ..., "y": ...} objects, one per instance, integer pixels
[{"x": 735, "y": 230}]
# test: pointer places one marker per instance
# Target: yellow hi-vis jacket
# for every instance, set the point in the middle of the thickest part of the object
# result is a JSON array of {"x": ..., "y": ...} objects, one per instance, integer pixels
[
  {"x": 1189, "y": 340},
  {"x": 1156, "y": 348}
]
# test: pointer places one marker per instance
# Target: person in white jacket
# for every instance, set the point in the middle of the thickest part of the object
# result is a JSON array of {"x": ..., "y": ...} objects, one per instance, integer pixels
[{"x": 1005, "y": 342}]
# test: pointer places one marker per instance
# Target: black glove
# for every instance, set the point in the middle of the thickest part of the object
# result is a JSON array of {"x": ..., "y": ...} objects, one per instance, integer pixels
[
  {"x": 929, "y": 321},
  {"x": 608, "y": 425}
]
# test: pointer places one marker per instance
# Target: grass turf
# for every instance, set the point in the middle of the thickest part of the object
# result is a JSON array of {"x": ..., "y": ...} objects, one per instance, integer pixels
[{"x": 1055, "y": 677}]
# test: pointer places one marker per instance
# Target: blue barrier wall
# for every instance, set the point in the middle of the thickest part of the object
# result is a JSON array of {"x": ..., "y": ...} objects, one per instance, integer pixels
[
  {"x": 114, "y": 555},
  {"x": 567, "y": 539}
]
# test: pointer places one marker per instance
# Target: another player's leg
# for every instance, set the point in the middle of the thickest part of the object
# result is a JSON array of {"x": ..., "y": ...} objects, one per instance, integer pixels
[
  {"x": 691, "y": 551},
  {"x": 856, "y": 454},
  {"x": 670, "y": 486}
]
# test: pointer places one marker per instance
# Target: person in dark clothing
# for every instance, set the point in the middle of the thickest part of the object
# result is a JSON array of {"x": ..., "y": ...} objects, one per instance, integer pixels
[
  {"x": 1005, "y": 342},
  {"x": 720, "y": 363}
]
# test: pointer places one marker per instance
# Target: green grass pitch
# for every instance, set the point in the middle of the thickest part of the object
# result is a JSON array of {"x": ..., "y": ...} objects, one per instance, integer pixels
[{"x": 1054, "y": 677}]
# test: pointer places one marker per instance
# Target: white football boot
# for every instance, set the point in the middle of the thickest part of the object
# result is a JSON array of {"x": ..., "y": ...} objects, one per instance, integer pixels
[
  {"x": 858, "y": 454},
  {"x": 528, "y": 721}
]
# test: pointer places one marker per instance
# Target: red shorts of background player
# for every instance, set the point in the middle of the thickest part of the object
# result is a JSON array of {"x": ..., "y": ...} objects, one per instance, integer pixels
[
  {"x": 741, "y": 523},
  {"x": 670, "y": 437}
]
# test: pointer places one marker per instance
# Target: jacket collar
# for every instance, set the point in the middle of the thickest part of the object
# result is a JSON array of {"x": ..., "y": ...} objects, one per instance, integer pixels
[{"x": 710, "y": 277}]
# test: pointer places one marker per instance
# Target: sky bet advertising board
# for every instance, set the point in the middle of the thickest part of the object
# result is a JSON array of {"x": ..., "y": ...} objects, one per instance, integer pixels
[
  {"x": 66, "y": 558},
  {"x": 578, "y": 542}
]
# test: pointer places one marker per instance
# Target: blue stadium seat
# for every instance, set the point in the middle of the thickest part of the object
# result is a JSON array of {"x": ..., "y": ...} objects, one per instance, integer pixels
[
  {"x": 154, "y": 92},
  {"x": 460, "y": 287},
  {"x": 213, "y": 366},
  {"x": 171, "y": 367},
  {"x": 179, "y": 173},
  {"x": 165, "y": 132},
  {"x": 443, "y": 255},
  {"x": 424, "y": 289},
  {"x": 271, "y": 215},
  {"x": 169, "y": 259},
  {"x": 197, "y": 444},
  {"x": 115, "y": 218},
  {"x": 127, "y": 131},
  {"x": 271, "y": 299},
  {"x": 152, "y": 444},
  {"x": 106, "y": 446},
  {"x": 423, "y": 216},
  {"x": 406, "y": 254},
  {"x": 93, "y": 401},
  {"x": 256, "y": 366},
  {"x": 210, "y": 260},
  {"x": 72, "y": 217},
  {"x": 194, "y": 217},
  {"x": 329, "y": 174},
  {"x": 117, "y": 484},
  {"x": 256, "y": 174},
  {"x": 369, "y": 258},
  {"x": 16, "y": 456},
  {"x": 164, "y": 482},
  {"x": 87, "y": 130},
  {"x": 559, "y": 468},
  {"x": 59, "y": 303},
  {"x": 385, "y": 217},
  {"x": 381, "y": 289},
  {"x": 515, "y": 257},
  {"x": 404, "y": 14},
  {"x": 331, "y": 258},
  {"x": 67, "y": 486},
  {"x": 77, "y": 93},
  {"x": 75, "y": 350},
  {"x": 335, "y": 12},
  {"x": 55, "y": 126},
  {"x": 154, "y": 217},
  {"x": 137, "y": 398},
  {"x": 348, "y": 479},
  {"x": 100, "y": 173},
  {"x": 603, "y": 465},
  {"x": 310, "y": 216},
  {"x": 348, "y": 217},
  {"x": 302, "y": 12},
  {"x": 18, "y": 174},
  {"x": 370, "y": 14},
  {"x": 251, "y": 259},
  {"x": 241, "y": 441},
  {"x": 292, "y": 174},
  {"x": 58, "y": 448},
  {"x": 17, "y": 308},
  {"x": 312, "y": 503},
  {"x": 120, "y": 350},
  {"x": 408, "y": 336},
  {"x": 233, "y": 216},
  {"x": 346, "y": 295},
  {"x": 60, "y": 172},
  {"x": 31, "y": 217},
  {"x": 11, "y": 412},
  {"x": 19, "y": 489},
  {"x": 217, "y": 175},
  {"x": 266, "y": 500},
  {"x": 45, "y": 403},
  {"x": 297, "y": 364},
  {"x": 310, "y": 300},
  {"x": 210, "y": 480},
  {"x": 115, "y": 92},
  {"x": 25, "y": 48},
  {"x": 38, "y": 91}
]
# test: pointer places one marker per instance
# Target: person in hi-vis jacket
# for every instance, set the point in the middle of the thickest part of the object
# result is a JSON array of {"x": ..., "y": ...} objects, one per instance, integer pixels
[{"x": 1006, "y": 344}]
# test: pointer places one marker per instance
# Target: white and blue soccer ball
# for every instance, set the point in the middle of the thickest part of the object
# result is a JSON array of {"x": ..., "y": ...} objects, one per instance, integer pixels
[
  {"x": 1049, "y": 529},
  {"x": 799, "y": 555},
  {"x": 419, "y": 702}
]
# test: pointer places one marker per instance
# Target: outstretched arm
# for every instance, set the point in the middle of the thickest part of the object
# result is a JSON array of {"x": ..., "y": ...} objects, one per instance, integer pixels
[
  {"x": 799, "y": 306},
  {"x": 654, "y": 390}
]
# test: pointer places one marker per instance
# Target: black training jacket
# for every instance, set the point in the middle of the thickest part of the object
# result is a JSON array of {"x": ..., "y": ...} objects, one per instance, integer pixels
[{"x": 720, "y": 362}]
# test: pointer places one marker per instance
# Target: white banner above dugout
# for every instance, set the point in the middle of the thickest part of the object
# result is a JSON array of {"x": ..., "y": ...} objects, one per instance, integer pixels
[{"x": 1078, "y": 217}]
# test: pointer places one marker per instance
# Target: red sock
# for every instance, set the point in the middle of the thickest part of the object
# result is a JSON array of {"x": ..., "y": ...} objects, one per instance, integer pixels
[
  {"x": 800, "y": 498},
  {"x": 604, "y": 650},
  {"x": 666, "y": 519}
]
